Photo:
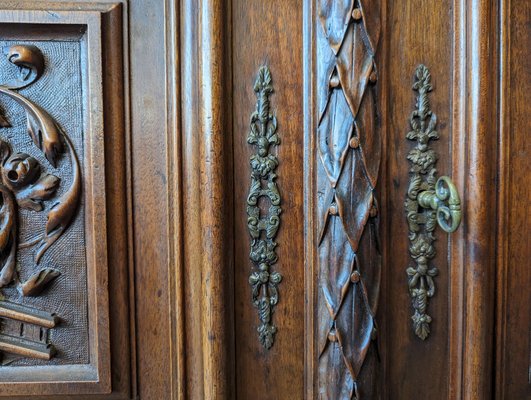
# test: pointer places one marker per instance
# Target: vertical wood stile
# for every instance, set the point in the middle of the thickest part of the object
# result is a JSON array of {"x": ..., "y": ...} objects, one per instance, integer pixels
[
  {"x": 207, "y": 206},
  {"x": 309, "y": 253},
  {"x": 175, "y": 232},
  {"x": 456, "y": 240},
  {"x": 480, "y": 199}
]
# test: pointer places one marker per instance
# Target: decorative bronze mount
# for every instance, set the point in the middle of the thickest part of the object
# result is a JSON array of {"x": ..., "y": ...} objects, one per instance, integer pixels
[
  {"x": 428, "y": 201},
  {"x": 23, "y": 184},
  {"x": 263, "y": 135}
]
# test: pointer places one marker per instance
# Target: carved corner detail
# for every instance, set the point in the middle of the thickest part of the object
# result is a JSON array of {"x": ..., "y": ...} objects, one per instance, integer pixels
[{"x": 263, "y": 228}]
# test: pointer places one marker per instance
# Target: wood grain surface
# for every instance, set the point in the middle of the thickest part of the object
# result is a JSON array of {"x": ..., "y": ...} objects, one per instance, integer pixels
[
  {"x": 273, "y": 36},
  {"x": 178, "y": 92},
  {"x": 513, "y": 328}
]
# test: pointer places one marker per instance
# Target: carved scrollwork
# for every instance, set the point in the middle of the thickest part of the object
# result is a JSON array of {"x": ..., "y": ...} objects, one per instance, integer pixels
[
  {"x": 348, "y": 152},
  {"x": 24, "y": 184},
  {"x": 263, "y": 229}
]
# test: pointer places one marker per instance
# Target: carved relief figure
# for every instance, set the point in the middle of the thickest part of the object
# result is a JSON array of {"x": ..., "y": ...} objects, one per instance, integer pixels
[
  {"x": 348, "y": 144},
  {"x": 25, "y": 184}
]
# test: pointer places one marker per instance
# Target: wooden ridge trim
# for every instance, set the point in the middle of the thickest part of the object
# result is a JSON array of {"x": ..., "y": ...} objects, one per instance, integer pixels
[
  {"x": 207, "y": 198},
  {"x": 479, "y": 199}
]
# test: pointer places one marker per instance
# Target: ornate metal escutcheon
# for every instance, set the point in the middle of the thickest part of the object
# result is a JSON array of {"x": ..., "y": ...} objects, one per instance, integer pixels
[
  {"x": 25, "y": 185},
  {"x": 429, "y": 201},
  {"x": 263, "y": 229}
]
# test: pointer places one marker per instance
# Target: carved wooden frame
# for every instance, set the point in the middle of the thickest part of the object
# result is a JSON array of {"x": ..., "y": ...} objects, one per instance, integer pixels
[{"x": 103, "y": 194}]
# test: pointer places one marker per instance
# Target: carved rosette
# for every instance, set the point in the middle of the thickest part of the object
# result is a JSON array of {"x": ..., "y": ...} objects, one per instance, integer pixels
[
  {"x": 24, "y": 184},
  {"x": 421, "y": 222},
  {"x": 263, "y": 229},
  {"x": 349, "y": 148}
]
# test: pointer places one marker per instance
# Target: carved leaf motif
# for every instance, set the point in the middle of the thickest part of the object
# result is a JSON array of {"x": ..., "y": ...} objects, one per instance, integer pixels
[
  {"x": 30, "y": 61},
  {"x": 371, "y": 11},
  {"x": 354, "y": 198},
  {"x": 369, "y": 262},
  {"x": 32, "y": 197},
  {"x": 370, "y": 144},
  {"x": 38, "y": 281},
  {"x": 335, "y": 16},
  {"x": 340, "y": 384},
  {"x": 8, "y": 236},
  {"x": 354, "y": 66},
  {"x": 337, "y": 258},
  {"x": 325, "y": 64},
  {"x": 354, "y": 324},
  {"x": 334, "y": 133},
  {"x": 327, "y": 194},
  {"x": 326, "y": 322},
  {"x": 61, "y": 213},
  {"x": 41, "y": 127}
]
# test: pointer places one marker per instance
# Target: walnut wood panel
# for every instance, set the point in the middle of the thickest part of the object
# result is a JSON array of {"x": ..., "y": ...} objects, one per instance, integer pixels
[
  {"x": 165, "y": 171},
  {"x": 513, "y": 337},
  {"x": 269, "y": 33},
  {"x": 412, "y": 40},
  {"x": 207, "y": 199},
  {"x": 98, "y": 30},
  {"x": 464, "y": 299},
  {"x": 156, "y": 190}
]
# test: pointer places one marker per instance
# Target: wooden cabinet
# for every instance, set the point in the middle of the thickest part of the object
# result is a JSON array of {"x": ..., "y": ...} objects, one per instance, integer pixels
[{"x": 245, "y": 199}]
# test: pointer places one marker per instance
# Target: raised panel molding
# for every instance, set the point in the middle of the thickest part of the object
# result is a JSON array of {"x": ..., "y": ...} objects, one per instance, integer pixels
[{"x": 62, "y": 148}]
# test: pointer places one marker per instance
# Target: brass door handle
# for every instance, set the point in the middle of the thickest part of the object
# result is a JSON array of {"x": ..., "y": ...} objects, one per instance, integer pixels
[
  {"x": 429, "y": 201},
  {"x": 445, "y": 201}
]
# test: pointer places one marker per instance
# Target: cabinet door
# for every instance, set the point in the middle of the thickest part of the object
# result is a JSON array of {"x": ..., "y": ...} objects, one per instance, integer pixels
[
  {"x": 248, "y": 199},
  {"x": 314, "y": 143}
]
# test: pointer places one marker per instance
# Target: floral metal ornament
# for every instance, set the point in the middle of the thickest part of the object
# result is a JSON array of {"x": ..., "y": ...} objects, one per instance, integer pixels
[
  {"x": 263, "y": 229},
  {"x": 421, "y": 222},
  {"x": 24, "y": 184},
  {"x": 430, "y": 201}
]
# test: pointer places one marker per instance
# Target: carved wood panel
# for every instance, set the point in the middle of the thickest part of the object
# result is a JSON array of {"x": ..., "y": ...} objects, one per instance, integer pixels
[
  {"x": 56, "y": 210},
  {"x": 347, "y": 158},
  {"x": 41, "y": 190}
]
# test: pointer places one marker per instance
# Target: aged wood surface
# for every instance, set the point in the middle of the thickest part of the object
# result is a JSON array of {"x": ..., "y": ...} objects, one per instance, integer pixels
[
  {"x": 103, "y": 196},
  {"x": 479, "y": 208},
  {"x": 269, "y": 33},
  {"x": 409, "y": 362},
  {"x": 513, "y": 328},
  {"x": 346, "y": 149},
  {"x": 207, "y": 199},
  {"x": 172, "y": 182}
]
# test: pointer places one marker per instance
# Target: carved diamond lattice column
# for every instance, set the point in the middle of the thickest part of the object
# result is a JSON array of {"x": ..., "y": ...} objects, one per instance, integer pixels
[{"x": 348, "y": 158}]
